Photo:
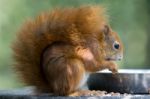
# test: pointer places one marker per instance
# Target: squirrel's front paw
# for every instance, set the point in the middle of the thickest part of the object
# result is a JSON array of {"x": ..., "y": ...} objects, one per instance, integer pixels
[{"x": 113, "y": 67}]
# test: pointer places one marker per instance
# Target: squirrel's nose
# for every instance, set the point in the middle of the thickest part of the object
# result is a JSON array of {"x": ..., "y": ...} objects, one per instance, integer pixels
[{"x": 120, "y": 57}]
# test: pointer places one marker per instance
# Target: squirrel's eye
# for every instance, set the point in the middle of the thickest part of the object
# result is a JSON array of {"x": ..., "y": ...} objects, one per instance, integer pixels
[{"x": 116, "y": 45}]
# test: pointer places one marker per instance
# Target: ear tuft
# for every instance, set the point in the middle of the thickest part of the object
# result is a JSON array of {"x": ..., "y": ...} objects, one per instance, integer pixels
[{"x": 106, "y": 30}]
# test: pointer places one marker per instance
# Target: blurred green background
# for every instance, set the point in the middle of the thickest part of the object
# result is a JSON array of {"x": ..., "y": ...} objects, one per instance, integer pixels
[{"x": 130, "y": 18}]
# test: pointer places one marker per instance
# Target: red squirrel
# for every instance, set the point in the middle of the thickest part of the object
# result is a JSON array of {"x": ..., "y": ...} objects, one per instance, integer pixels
[{"x": 55, "y": 51}]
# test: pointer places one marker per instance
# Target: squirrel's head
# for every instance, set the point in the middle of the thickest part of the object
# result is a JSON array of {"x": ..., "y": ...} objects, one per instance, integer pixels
[{"x": 112, "y": 44}]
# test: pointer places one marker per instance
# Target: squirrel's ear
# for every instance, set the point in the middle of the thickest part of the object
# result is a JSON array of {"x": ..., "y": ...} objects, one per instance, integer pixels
[{"x": 106, "y": 30}]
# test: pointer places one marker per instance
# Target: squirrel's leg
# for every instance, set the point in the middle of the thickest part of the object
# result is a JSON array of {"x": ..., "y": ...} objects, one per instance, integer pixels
[
  {"x": 62, "y": 69},
  {"x": 112, "y": 66},
  {"x": 91, "y": 64}
]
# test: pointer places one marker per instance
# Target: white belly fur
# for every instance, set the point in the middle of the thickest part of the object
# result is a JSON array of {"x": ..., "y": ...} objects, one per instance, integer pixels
[{"x": 82, "y": 84}]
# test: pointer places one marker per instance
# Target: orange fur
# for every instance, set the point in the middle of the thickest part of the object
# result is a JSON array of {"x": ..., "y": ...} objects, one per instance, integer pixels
[{"x": 53, "y": 51}]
